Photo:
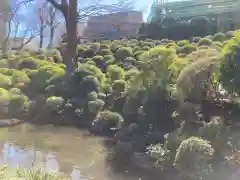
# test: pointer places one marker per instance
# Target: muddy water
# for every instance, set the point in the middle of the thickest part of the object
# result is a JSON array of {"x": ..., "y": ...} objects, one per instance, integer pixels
[{"x": 67, "y": 150}]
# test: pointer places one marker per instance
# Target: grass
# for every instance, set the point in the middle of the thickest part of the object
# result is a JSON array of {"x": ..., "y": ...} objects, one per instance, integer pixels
[{"x": 7, "y": 173}]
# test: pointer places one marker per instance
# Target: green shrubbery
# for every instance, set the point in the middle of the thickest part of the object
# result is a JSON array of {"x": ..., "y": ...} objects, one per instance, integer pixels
[{"x": 136, "y": 88}]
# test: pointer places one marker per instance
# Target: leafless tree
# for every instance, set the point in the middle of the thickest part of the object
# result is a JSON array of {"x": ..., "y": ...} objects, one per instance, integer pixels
[
  {"x": 72, "y": 14},
  {"x": 14, "y": 28}
]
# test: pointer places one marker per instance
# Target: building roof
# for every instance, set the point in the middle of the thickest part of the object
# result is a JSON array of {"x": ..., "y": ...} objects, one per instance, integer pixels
[{"x": 190, "y": 8}]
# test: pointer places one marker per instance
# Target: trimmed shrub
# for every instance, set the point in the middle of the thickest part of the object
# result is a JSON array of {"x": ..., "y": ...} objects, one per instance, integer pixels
[
  {"x": 107, "y": 120},
  {"x": 90, "y": 83},
  {"x": 55, "y": 103},
  {"x": 92, "y": 96},
  {"x": 123, "y": 53},
  {"x": 115, "y": 72},
  {"x": 193, "y": 156},
  {"x": 5, "y": 81},
  {"x": 205, "y": 42},
  {"x": 95, "y": 106},
  {"x": 20, "y": 77},
  {"x": 119, "y": 86},
  {"x": 4, "y": 101},
  {"x": 219, "y": 37},
  {"x": 18, "y": 101}
]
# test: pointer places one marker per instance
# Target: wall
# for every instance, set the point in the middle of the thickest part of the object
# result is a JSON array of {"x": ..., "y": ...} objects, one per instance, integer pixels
[{"x": 128, "y": 23}]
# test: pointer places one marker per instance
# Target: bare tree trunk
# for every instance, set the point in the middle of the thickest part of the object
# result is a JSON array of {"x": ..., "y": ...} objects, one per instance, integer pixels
[
  {"x": 71, "y": 27},
  {"x": 41, "y": 33}
]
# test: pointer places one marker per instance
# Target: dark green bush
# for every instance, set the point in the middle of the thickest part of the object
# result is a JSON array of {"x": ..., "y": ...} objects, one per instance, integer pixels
[
  {"x": 103, "y": 52},
  {"x": 95, "y": 106},
  {"x": 28, "y": 63},
  {"x": 205, "y": 42},
  {"x": 189, "y": 48},
  {"x": 108, "y": 120},
  {"x": 119, "y": 86},
  {"x": 219, "y": 37},
  {"x": 90, "y": 83},
  {"x": 123, "y": 53}
]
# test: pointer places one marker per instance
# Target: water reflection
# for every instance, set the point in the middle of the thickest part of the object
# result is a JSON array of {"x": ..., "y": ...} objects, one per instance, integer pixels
[{"x": 65, "y": 150}]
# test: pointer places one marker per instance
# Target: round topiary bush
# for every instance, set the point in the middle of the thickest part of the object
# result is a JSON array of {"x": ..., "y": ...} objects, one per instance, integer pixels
[
  {"x": 182, "y": 43},
  {"x": 90, "y": 83},
  {"x": 92, "y": 96},
  {"x": 193, "y": 156},
  {"x": 100, "y": 63},
  {"x": 28, "y": 63},
  {"x": 5, "y": 81},
  {"x": 205, "y": 42},
  {"x": 196, "y": 39},
  {"x": 107, "y": 121},
  {"x": 4, "y": 101},
  {"x": 95, "y": 106},
  {"x": 115, "y": 72},
  {"x": 18, "y": 102},
  {"x": 123, "y": 53},
  {"x": 55, "y": 103},
  {"x": 104, "y": 46},
  {"x": 119, "y": 86},
  {"x": 189, "y": 48},
  {"x": 219, "y": 37},
  {"x": 103, "y": 52}
]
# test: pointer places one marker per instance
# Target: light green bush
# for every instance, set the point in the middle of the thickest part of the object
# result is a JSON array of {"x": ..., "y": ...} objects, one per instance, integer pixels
[
  {"x": 55, "y": 103},
  {"x": 115, "y": 72},
  {"x": 119, "y": 86},
  {"x": 5, "y": 81}
]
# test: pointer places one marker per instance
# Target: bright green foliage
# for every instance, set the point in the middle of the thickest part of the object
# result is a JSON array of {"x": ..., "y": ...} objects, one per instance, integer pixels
[
  {"x": 4, "y": 101},
  {"x": 18, "y": 101},
  {"x": 5, "y": 81},
  {"x": 119, "y": 86},
  {"x": 195, "y": 78},
  {"x": 230, "y": 66},
  {"x": 45, "y": 76},
  {"x": 20, "y": 77},
  {"x": 155, "y": 66},
  {"x": 115, "y": 72},
  {"x": 55, "y": 103}
]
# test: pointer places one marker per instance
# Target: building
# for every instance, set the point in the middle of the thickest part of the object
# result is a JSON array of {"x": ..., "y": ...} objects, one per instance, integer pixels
[
  {"x": 223, "y": 10},
  {"x": 5, "y": 10},
  {"x": 113, "y": 26}
]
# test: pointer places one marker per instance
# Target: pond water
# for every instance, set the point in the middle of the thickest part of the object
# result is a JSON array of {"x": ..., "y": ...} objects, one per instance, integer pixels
[{"x": 67, "y": 150}]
